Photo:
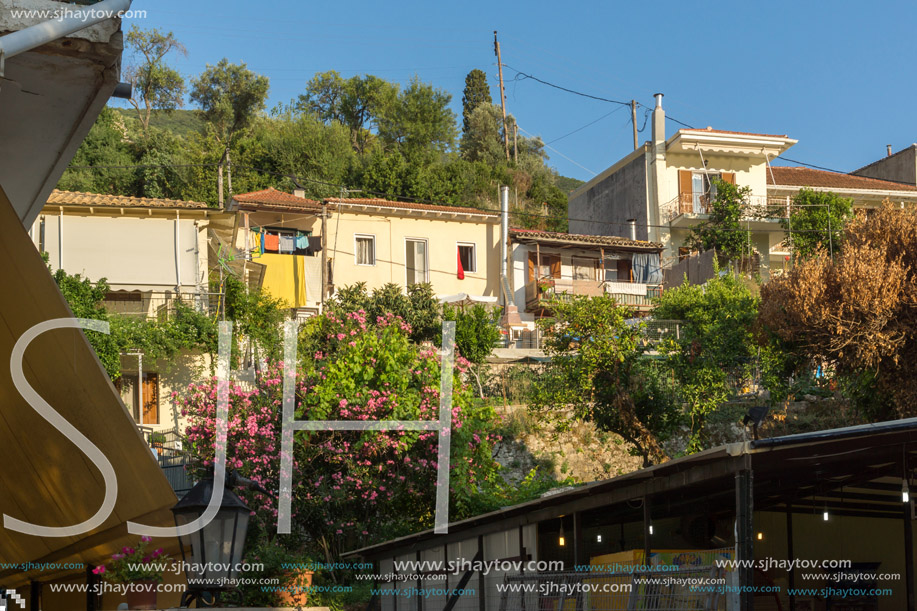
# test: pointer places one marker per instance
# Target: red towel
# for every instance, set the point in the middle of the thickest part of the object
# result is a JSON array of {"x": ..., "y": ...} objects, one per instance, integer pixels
[
  {"x": 272, "y": 242},
  {"x": 461, "y": 271}
]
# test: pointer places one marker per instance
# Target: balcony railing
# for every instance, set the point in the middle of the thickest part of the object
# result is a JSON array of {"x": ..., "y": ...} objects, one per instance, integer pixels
[
  {"x": 634, "y": 294},
  {"x": 758, "y": 207},
  {"x": 161, "y": 305},
  {"x": 173, "y": 459}
]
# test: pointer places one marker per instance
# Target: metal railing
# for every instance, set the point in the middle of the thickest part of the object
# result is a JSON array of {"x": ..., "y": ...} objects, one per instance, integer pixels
[
  {"x": 564, "y": 290},
  {"x": 173, "y": 459},
  {"x": 757, "y": 206},
  {"x": 163, "y": 305}
]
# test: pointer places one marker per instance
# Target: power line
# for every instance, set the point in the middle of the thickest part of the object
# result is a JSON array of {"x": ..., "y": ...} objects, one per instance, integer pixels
[
  {"x": 573, "y": 91},
  {"x": 579, "y": 129}
]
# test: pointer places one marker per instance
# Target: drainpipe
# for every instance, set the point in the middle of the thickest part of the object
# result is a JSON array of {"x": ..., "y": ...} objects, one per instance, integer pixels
[
  {"x": 48, "y": 31},
  {"x": 504, "y": 238},
  {"x": 60, "y": 239},
  {"x": 177, "y": 257}
]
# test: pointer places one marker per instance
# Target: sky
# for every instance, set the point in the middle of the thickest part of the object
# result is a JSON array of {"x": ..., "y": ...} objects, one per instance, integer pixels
[{"x": 837, "y": 77}]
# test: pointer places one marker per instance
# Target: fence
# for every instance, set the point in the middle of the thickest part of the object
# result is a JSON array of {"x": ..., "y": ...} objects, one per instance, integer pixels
[{"x": 163, "y": 305}]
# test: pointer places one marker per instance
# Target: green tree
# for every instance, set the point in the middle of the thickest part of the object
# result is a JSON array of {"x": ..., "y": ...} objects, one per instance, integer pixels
[
  {"x": 481, "y": 138},
  {"x": 420, "y": 121},
  {"x": 85, "y": 299},
  {"x": 817, "y": 221},
  {"x": 256, "y": 315},
  {"x": 723, "y": 229},
  {"x": 477, "y": 330},
  {"x": 713, "y": 353},
  {"x": 598, "y": 372},
  {"x": 476, "y": 94},
  {"x": 156, "y": 86},
  {"x": 230, "y": 97}
]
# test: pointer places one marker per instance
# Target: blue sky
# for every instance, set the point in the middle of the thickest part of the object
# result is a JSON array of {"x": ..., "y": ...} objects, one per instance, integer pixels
[{"x": 836, "y": 76}]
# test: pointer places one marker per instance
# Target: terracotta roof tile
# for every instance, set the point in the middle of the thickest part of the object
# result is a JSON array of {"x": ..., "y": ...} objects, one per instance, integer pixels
[
  {"x": 274, "y": 199},
  {"x": 384, "y": 203},
  {"x": 723, "y": 131},
  {"x": 577, "y": 238},
  {"x": 76, "y": 198},
  {"x": 810, "y": 177}
]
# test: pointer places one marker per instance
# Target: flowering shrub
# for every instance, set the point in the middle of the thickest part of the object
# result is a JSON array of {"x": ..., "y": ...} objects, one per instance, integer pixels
[
  {"x": 134, "y": 564},
  {"x": 352, "y": 486}
]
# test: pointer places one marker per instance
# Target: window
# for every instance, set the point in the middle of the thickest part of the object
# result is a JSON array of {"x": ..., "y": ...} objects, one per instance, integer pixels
[
  {"x": 466, "y": 254},
  {"x": 697, "y": 189},
  {"x": 584, "y": 268},
  {"x": 130, "y": 394},
  {"x": 415, "y": 259},
  {"x": 365, "y": 249}
]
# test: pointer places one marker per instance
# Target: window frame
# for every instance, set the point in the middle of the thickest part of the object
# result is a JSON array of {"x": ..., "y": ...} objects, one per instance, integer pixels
[
  {"x": 426, "y": 271},
  {"x": 366, "y": 236},
  {"x": 474, "y": 255}
]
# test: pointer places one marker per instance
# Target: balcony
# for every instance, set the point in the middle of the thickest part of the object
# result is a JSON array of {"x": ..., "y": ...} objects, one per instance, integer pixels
[
  {"x": 542, "y": 293},
  {"x": 162, "y": 305},
  {"x": 166, "y": 446},
  {"x": 687, "y": 207}
]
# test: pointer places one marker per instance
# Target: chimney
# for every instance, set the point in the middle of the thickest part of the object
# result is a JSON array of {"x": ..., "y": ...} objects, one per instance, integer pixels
[
  {"x": 632, "y": 224},
  {"x": 888, "y": 150},
  {"x": 658, "y": 121},
  {"x": 300, "y": 193}
]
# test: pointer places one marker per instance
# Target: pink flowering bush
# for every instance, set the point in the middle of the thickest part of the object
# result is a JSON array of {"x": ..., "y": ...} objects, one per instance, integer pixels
[
  {"x": 352, "y": 487},
  {"x": 133, "y": 564}
]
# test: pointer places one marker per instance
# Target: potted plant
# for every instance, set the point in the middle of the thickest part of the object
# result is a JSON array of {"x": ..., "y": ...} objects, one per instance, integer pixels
[
  {"x": 546, "y": 287},
  {"x": 157, "y": 440},
  {"x": 140, "y": 567},
  {"x": 291, "y": 572}
]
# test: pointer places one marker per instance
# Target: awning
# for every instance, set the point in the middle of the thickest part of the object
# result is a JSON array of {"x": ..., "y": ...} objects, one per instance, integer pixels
[
  {"x": 466, "y": 299},
  {"x": 44, "y": 478}
]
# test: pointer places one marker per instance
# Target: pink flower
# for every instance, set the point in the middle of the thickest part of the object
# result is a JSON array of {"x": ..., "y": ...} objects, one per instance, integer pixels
[{"x": 99, "y": 570}]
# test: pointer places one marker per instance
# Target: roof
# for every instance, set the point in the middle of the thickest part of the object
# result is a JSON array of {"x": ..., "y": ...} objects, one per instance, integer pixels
[
  {"x": 810, "y": 177},
  {"x": 723, "y": 131},
  {"x": 886, "y": 158},
  {"x": 557, "y": 237},
  {"x": 384, "y": 203},
  {"x": 272, "y": 199},
  {"x": 782, "y": 465},
  {"x": 77, "y": 198}
]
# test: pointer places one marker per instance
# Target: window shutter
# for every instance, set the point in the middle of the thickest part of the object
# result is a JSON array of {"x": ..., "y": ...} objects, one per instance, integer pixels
[
  {"x": 684, "y": 185},
  {"x": 624, "y": 269},
  {"x": 555, "y": 267},
  {"x": 729, "y": 177}
]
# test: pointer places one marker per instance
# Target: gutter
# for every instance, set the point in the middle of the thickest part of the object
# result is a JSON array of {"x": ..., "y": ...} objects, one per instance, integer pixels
[
  {"x": 40, "y": 34},
  {"x": 832, "y": 434}
]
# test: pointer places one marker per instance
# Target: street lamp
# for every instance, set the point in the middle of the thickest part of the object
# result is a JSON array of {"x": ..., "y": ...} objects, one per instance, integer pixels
[{"x": 212, "y": 555}]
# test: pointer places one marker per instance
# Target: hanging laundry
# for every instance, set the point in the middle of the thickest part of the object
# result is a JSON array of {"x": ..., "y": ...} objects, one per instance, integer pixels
[
  {"x": 302, "y": 242},
  {"x": 272, "y": 242},
  {"x": 287, "y": 243}
]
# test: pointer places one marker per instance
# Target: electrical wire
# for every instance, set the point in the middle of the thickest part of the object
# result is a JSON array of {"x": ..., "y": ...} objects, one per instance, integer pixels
[{"x": 579, "y": 129}]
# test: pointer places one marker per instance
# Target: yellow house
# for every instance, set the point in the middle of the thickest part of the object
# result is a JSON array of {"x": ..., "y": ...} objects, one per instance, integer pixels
[{"x": 376, "y": 241}]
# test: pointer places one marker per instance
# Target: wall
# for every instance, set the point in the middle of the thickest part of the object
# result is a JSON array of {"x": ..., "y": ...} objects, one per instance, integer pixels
[
  {"x": 174, "y": 376},
  {"x": 900, "y": 167},
  {"x": 128, "y": 251},
  {"x": 442, "y": 236},
  {"x": 616, "y": 195}
]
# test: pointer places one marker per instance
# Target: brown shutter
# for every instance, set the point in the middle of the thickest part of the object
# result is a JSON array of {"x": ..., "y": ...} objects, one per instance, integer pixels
[
  {"x": 531, "y": 267},
  {"x": 624, "y": 270},
  {"x": 150, "y": 398},
  {"x": 555, "y": 267},
  {"x": 729, "y": 177},
  {"x": 684, "y": 185}
]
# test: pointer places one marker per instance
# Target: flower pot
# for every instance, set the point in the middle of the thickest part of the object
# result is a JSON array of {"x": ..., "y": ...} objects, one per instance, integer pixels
[
  {"x": 297, "y": 584},
  {"x": 142, "y": 595}
]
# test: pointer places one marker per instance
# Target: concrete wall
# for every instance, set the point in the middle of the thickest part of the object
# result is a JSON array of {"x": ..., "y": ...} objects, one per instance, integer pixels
[
  {"x": 129, "y": 251},
  {"x": 900, "y": 167},
  {"x": 603, "y": 207}
]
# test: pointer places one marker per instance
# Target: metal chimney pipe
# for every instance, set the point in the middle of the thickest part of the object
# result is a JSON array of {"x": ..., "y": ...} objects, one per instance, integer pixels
[
  {"x": 658, "y": 97},
  {"x": 632, "y": 223},
  {"x": 504, "y": 229},
  {"x": 888, "y": 150}
]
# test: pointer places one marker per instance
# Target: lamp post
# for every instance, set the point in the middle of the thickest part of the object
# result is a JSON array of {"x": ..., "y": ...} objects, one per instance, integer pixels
[{"x": 212, "y": 555}]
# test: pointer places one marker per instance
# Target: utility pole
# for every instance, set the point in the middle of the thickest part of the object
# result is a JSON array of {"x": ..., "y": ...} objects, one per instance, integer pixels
[
  {"x": 633, "y": 119},
  {"x": 515, "y": 141},
  {"x": 324, "y": 254},
  {"x": 502, "y": 94}
]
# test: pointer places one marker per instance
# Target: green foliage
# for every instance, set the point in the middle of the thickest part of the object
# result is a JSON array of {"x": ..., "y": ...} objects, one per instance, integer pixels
[
  {"x": 477, "y": 330},
  {"x": 155, "y": 84},
  {"x": 230, "y": 96},
  {"x": 598, "y": 373},
  {"x": 715, "y": 347},
  {"x": 476, "y": 93},
  {"x": 723, "y": 230},
  {"x": 85, "y": 300},
  {"x": 256, "y": 315},
  {"x": 817, "y": 221}
]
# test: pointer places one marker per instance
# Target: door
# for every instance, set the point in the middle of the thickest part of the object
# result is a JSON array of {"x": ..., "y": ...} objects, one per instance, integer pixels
[
  {"x": 130, "y": 394},
  {"x": 416, "y": 261},
  {"x": 150, "y": 398}
]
